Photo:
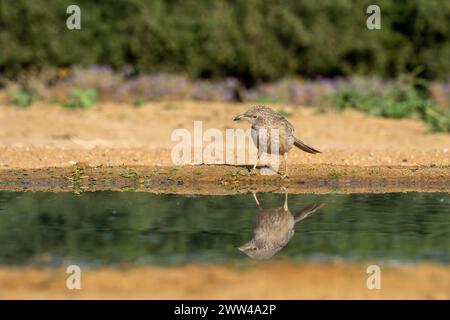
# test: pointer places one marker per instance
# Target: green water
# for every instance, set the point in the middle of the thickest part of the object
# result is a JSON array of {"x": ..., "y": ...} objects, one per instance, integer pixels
[{"x": 103, "y": 228}]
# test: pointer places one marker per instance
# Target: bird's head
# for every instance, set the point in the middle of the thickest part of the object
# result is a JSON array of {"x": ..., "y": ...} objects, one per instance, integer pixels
[
  {"x": 258, "y": 250},
  {"x": 255, "y": 113}
]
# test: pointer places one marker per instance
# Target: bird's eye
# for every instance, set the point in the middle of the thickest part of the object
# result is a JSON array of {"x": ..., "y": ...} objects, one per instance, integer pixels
[{"x": 254, "y": 117}]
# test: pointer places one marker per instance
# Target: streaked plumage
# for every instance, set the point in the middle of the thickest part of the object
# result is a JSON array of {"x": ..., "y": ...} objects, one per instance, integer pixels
[
  {"x": 273, "y": 229},
  {"x": 270, "y": 129}
]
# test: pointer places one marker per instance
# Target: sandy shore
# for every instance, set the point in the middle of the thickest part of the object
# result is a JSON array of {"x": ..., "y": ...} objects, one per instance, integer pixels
[
  {"x": 218, "y": 180},
  {"x": 276, "y": 280}
]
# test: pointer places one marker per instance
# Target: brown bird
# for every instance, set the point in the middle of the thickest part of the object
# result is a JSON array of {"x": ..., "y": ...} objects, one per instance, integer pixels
[
  {"x": 273, "y": 229},
  {"x": 269, "y": 130}
]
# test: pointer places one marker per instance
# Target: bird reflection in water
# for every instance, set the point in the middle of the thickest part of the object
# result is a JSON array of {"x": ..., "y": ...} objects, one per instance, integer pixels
[{"x": 274, "y": 228}]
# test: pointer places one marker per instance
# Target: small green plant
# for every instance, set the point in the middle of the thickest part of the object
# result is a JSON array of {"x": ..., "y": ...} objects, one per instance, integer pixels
[
  {"x": 170, "y": 106},
  {"x": 23, "y": 98},
  {"x": 76, "y": 179},
  {"x": 235, "y": 172},
  {"x": 128, "y": 188},
  {"x": 137, "y": 102},
  {"x": 129, "y": 174},
  {"x": 335, "y": 174},
  {"x": 81, "y": 99}
]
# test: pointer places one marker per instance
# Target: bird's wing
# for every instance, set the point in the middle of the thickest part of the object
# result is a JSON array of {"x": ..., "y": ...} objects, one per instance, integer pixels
[{"x": 290, "y": 128}]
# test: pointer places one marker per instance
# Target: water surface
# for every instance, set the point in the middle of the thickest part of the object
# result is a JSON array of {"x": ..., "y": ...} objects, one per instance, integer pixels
[{"x": 105, "y": 228}]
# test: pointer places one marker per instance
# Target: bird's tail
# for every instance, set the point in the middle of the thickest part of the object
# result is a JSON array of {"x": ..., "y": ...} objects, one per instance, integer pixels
[
  {"x": 300, "y": 144},
  {"x": 306, "y": 211}
]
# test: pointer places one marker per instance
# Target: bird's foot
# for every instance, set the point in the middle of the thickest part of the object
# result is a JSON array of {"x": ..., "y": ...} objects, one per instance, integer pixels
[
  {"x": 253, "y": 172},
  {"x": 284, "y": 176}
]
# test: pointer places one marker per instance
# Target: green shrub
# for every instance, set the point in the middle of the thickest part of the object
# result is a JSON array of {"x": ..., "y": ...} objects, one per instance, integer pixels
[
  {"x": 82, "y": 99},
  {"x": 436, "y": 119},
  {"x": 404, "y": 98},
  {"x": 254, "y": 40}
]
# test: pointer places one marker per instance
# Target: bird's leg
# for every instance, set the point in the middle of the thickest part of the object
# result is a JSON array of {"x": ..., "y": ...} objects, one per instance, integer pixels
[
  {"x": 285, "y": 164},
  {"x": 253, "y": 171},
  {"x": 285, "y": 207},
  {"x": 256, "y": 198},
  {"x": 285, "y": 173},
  {"x": 256, "y": 163}
]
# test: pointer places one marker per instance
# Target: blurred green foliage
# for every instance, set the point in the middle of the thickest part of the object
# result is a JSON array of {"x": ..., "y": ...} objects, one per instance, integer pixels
[
  {"x": 22, "y": 98},
  {"x": 436, "y": 119},
  {"x": 137, "y": 102},
  {"x": 254, "y": 40},
  {"x": 406, "y": 97},
  {"x": 98, "y": 228},
  {"x": 23, "y": 94},
  {"x": 81, "y": 98}
]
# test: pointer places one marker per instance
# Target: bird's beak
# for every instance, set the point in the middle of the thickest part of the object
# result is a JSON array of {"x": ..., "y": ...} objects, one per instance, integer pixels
[
  {"x": 245, "y": 247},
  {"x": 239, "y": 117}
]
